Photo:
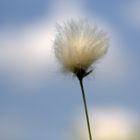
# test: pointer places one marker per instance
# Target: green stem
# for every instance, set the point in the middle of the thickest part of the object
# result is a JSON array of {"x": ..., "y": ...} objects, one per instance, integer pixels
[{"x": 85, "y": 107}]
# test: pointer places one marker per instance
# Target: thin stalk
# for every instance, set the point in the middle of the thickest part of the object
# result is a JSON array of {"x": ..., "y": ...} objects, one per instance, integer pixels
[{"x": 85, "y": 108}]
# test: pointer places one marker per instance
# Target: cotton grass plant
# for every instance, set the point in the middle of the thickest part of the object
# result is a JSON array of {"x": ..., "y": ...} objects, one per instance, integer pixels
[{"x": 78, "y": 46}]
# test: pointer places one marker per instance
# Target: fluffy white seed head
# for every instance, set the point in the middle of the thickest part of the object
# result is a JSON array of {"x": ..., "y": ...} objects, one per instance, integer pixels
[{"x": 78, "y": 46}]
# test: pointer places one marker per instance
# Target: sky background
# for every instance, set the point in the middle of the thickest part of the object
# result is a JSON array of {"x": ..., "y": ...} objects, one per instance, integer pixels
[{"x": 36, "y": 100}]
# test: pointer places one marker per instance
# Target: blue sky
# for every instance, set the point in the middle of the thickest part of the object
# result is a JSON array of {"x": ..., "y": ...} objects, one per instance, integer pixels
[{"x": 36, "y": 100}]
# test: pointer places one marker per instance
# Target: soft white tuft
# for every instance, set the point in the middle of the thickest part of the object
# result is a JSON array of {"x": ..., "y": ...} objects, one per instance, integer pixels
[{"x": 78, "y": 46}]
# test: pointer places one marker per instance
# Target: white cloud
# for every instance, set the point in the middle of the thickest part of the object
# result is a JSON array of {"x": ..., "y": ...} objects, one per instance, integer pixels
[
  {"x": 107, "y": 124},
  {"x": 28, "y": 46},
  {"x": 27, "y": 52}
]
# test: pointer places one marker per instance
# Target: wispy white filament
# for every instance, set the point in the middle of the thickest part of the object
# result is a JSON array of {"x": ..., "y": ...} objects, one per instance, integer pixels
[{"x": 78, "y": 45}]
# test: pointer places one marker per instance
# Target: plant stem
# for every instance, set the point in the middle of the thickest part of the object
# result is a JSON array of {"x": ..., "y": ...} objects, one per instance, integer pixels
[{"x": 85, "y": 107}]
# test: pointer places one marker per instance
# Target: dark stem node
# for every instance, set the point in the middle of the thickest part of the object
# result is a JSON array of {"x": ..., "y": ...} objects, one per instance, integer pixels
[{"x": 82, "y": 73}]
